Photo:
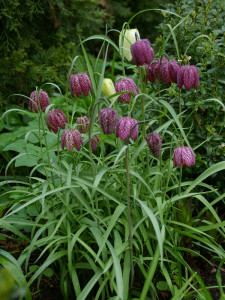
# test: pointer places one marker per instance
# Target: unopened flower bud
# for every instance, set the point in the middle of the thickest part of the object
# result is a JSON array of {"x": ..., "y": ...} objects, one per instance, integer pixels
[
  {"x": 154, "y": 141},
  {"x": 126, "y": 84},
  {"x": 108, "y": 87},
  {"x": 126, "y": 40},
  {"x": 43, "y": 102},
  {"x": 183, "y": 156},
  {"x": 142, "y": 52},
  {"x": 80, "y": 83},
  {"x": 126, "y": 127},
  {"x": 71, "y": 138},
  {"x": 108, "y": 119},
  {"x": 56, "y": 119},
  {"x": 83, "y": 124}
]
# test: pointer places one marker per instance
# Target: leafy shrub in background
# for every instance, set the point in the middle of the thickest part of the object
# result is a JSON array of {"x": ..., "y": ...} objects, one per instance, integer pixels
[
  {"x": 200, "y": 37},
  {"x": 120, "y": 222}
]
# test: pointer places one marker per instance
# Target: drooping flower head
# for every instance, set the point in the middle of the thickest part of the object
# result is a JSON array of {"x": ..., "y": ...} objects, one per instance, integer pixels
[
  {"x": 94, "y": 142},
  {"x": 125, "y": 42},
  {"x": 108, "y": 87},
  {"x": 56, "y": 119},
  {"x": 80, "y": 83},
  {"x": 142, "y": 52},
  {"x": 154, "y": 141},
  {"x": 188, "y": 76},
  {"x": 43, "y": 100},
  {"x": 83, "y": 124},
  {"x": 125, "y": 128},
  {"x": 183, "y": 156},
  {"x": 169, "y": 72},
  {"x": 108, "y": 119},
  {"x": 154, "y": 69},
  {"x": 126, "y": 84},
  {"x": 71, "y": 138}
]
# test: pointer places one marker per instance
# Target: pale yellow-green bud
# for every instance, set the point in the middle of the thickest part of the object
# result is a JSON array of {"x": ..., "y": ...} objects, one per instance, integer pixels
[
  {"x": 108, "y": 87},
  {"x": 126, "y": 40}
]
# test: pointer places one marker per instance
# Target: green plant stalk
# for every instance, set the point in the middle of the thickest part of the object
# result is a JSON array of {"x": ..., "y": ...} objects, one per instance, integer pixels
[
  {"x": 43, "y": 126},
  {"x": 150, "y": 274},
  {"x": 59, "y": 161},
  {"x": 143, "y": 101},
  {"x": 129, "y": 216}
]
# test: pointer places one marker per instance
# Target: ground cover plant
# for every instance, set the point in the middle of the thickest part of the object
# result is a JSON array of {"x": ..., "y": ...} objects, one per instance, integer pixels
[{"x": 114, "y": 205}]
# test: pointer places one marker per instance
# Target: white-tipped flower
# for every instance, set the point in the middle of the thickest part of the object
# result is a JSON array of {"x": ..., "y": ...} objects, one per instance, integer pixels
[
  {"x": 108, "y": 88},
  {"x": 126, "y": 39}
]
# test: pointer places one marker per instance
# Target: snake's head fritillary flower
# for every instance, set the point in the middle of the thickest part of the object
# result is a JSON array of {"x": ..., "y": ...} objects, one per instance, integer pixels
[
  {"x": 126, "y": 40},
  {"x": 154, "y": 142},
  {"x": 83, "y": 124},
  {"x": 80, "y": 83},
  {"x": 71, "y": 138},
  {"x": 188, "y": 76},
  {"x": 108, "y": 118},
  {"x": 126, "y": 127},
  {"x": 142, "y": 52},
  {"x": 153, "y": 70},
  {"x": 94, "y": 142},
  {"x": 55, "y": 120},
  {"x": 183, "y": 156},
  {"x": 43, "y": 102},
  {"x": 108, "y": 88},
  {"x": 169, "y": 72},
  {"x": 126, "y": 84}
]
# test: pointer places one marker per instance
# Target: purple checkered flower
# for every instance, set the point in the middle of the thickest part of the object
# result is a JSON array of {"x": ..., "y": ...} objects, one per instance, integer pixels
[
  {"x": 80, "y": 83},
  {"x": 188, "y": 76},
  {"x": 71, "y": 138},
  {"x": 108, "y": 119},
  {"x": 126, "y": 84},
  {"x": 142, "y": 52},
  {"x": 43, "y": 100},
  {"x": 154, "y": 69},
  {"x": 94, "y": 142},
  {"x": 154, "y": 141},
  {"x": 126, "y": 128},
  {"x": 183, "y": 156},
  {"x": 83, "y": 124},
  {"x": 169, "y": 72},
  {"x": 56, "y": 119}
]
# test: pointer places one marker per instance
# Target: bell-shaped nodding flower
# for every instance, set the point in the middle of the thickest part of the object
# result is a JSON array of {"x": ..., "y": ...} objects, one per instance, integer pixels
[
  {"x": 154, "y": 142},
  {"x": 108, "y": 88},
  {"x": 80, "y": 83},
  {"x": 188, "y": 76},
  {"x": 108, "y": 118},
  {"x": 126, "y": 40},
  {"x": 169, "y": 72},
  {"x": 43, "y": 98},
  {"x": 183, "y": 156},
  {"x": 142, "y": 52},
  {"x": 126, "y": 128},
  {"x": 94, "y": 142},
  {"x": 126, "y": 84},
  {"x": 153, "y": 71},
  {"x": 56, "y": 119},
  {"x": 83, "y": 124},
  {"x": 71, "y": 138}
]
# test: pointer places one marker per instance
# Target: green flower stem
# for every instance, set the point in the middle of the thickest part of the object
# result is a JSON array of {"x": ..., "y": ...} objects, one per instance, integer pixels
[
  {"x": 143, "y": 100},
  {"x": 59, "y": 161},
  {"x": 150, "y": 274},
  {"x": 129, "y": 215},
  {"x": 46, "y": 144}
]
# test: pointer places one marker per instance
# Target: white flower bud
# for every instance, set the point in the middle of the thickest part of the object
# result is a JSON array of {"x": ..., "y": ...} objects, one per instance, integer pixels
[
  {"x": 126, "y": 39},
  {"x": 108, "y": 87}
]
